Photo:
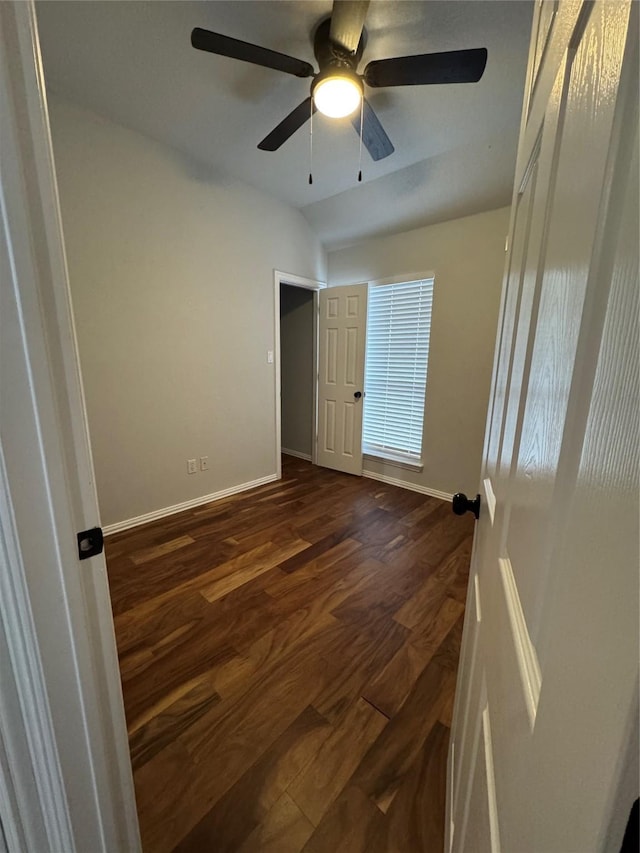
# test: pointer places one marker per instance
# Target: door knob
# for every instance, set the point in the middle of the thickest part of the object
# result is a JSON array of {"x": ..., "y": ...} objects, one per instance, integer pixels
[
  {"x": 461, "y": 504},
  {"x": 357, "y": 395}
]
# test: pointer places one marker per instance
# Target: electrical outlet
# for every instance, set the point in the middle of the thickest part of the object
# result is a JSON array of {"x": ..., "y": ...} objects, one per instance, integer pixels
[
  {"x": 204, "y": 463},
  {"x": 191, "y": 466}
]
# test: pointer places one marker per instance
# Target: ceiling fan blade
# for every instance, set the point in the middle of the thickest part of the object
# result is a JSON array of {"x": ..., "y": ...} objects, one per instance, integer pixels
[
  {"x": 374, "y": 137},
  {"x": 347, "y": 21},
  {"x": 236, "y": 49},
  {"x": 288, "y": 126},
  {"x": 454, "y": 66}
]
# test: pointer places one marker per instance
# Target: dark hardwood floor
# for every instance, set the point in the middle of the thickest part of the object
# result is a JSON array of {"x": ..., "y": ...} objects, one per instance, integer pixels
[{"x": 288, "y": 661}]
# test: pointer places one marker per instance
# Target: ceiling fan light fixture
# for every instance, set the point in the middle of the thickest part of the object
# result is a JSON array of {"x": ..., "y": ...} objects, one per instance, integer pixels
[{"x": 337, "y": 94}]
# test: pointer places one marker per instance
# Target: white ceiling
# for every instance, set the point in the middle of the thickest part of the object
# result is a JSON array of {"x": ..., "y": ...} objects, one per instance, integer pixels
[{"x": 455, "y": 145}]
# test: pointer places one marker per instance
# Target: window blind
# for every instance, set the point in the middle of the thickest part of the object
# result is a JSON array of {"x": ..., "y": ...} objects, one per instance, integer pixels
[{"x": 397, "y": 354}]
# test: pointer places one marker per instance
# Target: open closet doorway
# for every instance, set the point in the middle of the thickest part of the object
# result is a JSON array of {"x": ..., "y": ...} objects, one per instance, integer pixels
[{"x": 296, "y": 343}]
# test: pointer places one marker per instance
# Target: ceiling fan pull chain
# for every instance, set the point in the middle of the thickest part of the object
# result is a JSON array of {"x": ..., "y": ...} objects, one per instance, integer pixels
[
  {"x": 361, "y": 132},
  {"x": 311, "y": 144}
]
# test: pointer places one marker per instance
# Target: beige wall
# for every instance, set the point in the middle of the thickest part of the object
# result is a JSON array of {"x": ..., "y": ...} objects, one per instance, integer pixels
[
  {"x": 171, "y": 271},
  {"x": 296, "y": 368},
  {"x": 467, "y": 258}
]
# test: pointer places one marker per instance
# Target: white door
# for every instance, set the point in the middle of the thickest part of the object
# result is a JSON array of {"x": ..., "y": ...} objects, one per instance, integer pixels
[
  {"x": 342, "y": 333},
  {"x": 65, "y": 774},
  {"x": 543, "y": 755}
]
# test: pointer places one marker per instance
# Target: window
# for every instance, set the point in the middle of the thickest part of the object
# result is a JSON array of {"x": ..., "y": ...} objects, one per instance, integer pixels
[{"x": 397, "y": 353}]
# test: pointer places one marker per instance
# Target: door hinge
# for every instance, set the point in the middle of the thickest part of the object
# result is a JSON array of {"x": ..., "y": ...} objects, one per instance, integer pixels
[{"x": 90, "y": 543}]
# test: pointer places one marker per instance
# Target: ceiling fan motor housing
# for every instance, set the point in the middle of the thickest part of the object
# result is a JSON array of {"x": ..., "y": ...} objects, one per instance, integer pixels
[{"x": 331, "y": 55}]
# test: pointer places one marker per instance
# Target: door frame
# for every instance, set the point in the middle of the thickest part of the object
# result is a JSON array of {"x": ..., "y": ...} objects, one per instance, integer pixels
[
  {"x": 65, "y": 769},
  {"x": 292, "y": 280}
]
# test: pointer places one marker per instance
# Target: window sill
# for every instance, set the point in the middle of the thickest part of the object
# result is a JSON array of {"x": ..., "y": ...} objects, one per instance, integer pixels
[{"x": 389, "y": 459}]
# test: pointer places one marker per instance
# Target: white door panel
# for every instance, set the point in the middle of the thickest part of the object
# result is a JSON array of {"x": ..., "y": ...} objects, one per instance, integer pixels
[
  {"x": 549, "y": 671},
  {"x": 572, "y": 222},
  {"x": 343, "y": 319},
  {"x": 468, "y": 696},
  {"x": 518, "y": 249},
  {"x": 482, "y": 822}
]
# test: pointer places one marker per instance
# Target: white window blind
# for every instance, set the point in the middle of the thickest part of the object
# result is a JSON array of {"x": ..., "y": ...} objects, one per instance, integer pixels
[{"x": 397, "y": 354}]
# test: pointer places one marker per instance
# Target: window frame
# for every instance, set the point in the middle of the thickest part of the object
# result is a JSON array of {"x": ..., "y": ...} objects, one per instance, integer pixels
[{"x": 390, "y": 457}]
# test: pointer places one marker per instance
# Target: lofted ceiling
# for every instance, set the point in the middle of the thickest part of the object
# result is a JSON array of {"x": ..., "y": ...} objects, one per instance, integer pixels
[{"x": 455, "y": 145}]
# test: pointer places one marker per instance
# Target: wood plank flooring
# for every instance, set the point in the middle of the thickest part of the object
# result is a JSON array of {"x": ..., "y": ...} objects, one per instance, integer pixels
[{"x": 288, "y": 661}]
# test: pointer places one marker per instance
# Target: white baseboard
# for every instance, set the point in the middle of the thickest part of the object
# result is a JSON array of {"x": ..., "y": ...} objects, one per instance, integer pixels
[
  {"x": 413, "y": 487},
  {"x": 296, "y": 453},
  {"x": 172, "y": 510}
]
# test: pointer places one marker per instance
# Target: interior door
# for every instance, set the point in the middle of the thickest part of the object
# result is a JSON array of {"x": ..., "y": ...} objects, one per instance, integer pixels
[
  {"x": 65, "y": 771},
  {"x": 542, "y": 755},
  {"x": 342, "y": 338}
]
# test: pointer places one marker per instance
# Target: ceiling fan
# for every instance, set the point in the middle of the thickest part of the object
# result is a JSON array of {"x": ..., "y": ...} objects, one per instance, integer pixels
[{"x": 337, "y": 89}]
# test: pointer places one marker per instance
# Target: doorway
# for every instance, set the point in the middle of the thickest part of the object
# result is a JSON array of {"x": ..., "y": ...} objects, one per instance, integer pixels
[
  {"x": 296, "y": 371},
  {"x": 296, "y": 368}
]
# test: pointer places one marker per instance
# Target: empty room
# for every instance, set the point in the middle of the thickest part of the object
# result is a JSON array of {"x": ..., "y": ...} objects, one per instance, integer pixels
[{"x": 319, "y": 434}]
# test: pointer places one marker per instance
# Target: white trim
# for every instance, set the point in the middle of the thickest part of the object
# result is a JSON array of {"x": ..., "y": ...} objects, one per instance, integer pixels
[
  {"x": 396, "y": 461},
  {"x": 279, "y": 278},
  {"x": 525, "y": 650},
  {"x": 299, "y": 280},
  {"x": 412, "y": 487},
  {"x": 307, "y": 456},
  {"x": 404, "y": 277},
  {"x": 157, "y": 514}
]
